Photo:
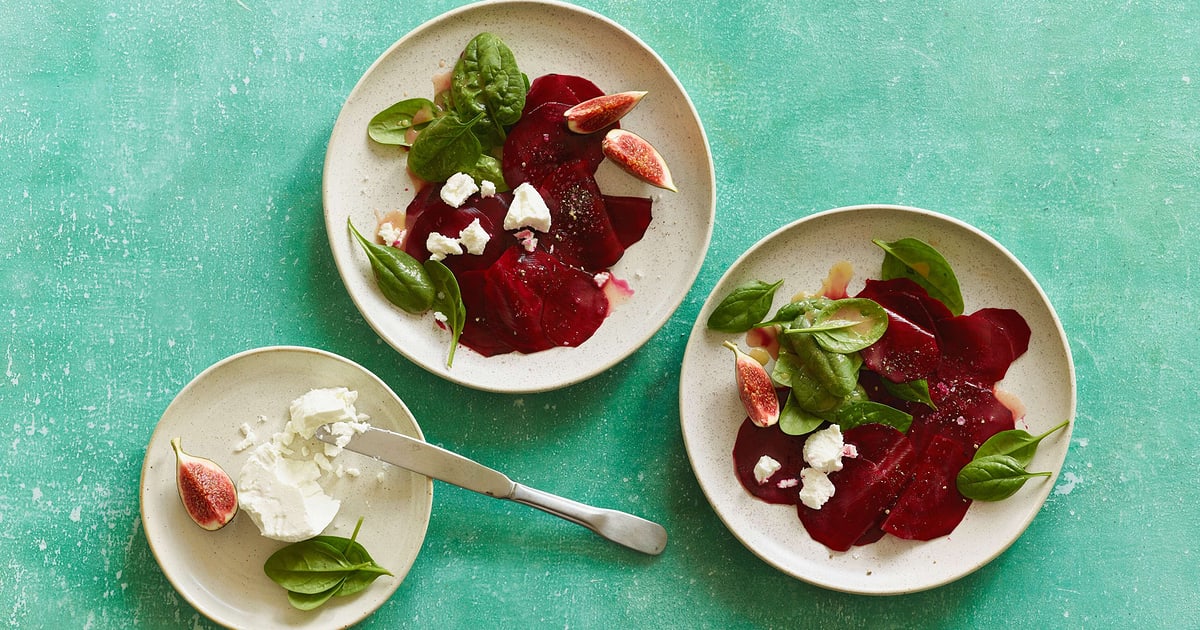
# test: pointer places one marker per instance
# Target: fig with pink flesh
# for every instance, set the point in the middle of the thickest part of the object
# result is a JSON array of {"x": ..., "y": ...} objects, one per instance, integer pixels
[
  {"x": 595, "y": 114},
  {"x": 206, "y": 490},
  {"x": 755, "y": 389},
  {"x": 632, "y": 153}
]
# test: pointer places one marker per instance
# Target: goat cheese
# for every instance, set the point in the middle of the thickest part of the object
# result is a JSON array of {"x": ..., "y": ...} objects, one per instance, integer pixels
[
  {"x": 282, "y": 495},
  {"x": 823, "y": 449},
  {"x": 456, "y": 189},
  {"x": 527, "y": 209},
  {"x": 816, "y": 488},
  {"x": 765, "y": 467},
  {"x": 391, "y": 234},
  {"x": 474, "y": 238},
  {"x": 487, "y": 188},
  {"x": 440, "y": 246}
]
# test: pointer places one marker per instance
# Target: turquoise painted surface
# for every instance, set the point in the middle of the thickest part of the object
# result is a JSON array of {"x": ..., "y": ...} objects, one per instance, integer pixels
[{"x": 161, "y": 188}]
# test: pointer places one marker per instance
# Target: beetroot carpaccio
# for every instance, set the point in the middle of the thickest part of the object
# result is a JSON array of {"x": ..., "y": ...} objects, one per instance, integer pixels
[{"x": 892, "y": 481}]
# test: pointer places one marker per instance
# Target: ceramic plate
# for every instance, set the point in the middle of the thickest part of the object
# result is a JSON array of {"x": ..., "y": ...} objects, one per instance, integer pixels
[
  {"x": 363, "y": 180},
  {"x": 221, "y": 573},
  {"x": 802, "y": 254}
]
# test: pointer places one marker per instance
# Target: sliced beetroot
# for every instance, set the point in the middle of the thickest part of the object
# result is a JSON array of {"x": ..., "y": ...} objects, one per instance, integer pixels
[
  {"x": 931, "y": 506},
  {"x": 581, "y": 234},
  {"x": 967, "y": 412},
  {"x": 908, "y": 299},
  {"x": 908, "y": 349},
  {"x": 981, "y": 346},
  {"x": 752, "y": 443},
  {"x": 541, "y": 142},
  {"x": 434, "y": 215},
  {"x": 559, "y": 88},
  {"x": 478, "y": 333},
  {"x": 866, "y": 486},
  {"x": 629, "y": 216},
  {"x": 513, "y": 307}
]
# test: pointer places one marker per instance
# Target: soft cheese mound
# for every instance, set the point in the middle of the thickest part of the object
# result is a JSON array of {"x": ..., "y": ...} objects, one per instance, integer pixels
[{"x": 278, "y": 485}]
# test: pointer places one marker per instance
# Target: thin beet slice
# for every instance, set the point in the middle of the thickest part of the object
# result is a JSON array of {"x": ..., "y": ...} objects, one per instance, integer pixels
[
  {"x": 541, "y": 142},
  {"x": 865, "y": 487},
  {"x": 512, "y": 307},
  {"x": 967, "y": 412},
  {"x": 908, "y": 349},
  {"x": 981, "y": 346},
  {"x": 559, "y": 88},
  {"x": 478, "y": 333},
  {"x": 630, "y": 216},
  {"x": 751, "y": 444},
  {"x": 574, "y": 305},
  {"x": 931, "y": 506},
  {"x": 580, "y": 232},
  {"x": 434, "y": 215}
]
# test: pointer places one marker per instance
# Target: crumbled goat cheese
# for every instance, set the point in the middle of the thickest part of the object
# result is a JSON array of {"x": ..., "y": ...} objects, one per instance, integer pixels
[
  {"x": 788, "y": 483},
  {"x": 601, "y": 278},
  {"x": 487, "y": 188},
  {"x": 440, "y": 317},
  {"x": 765, "y": 467},
  {"x": 850, "y": 451},
  {"x": 390, "y": 234},
  {"x": 474, "y": 238},
  {"x": 321, "y": 406},
  {"x": 816, "y": 489},
  {"x": 527, "y": 240},
  {"x": 823, "y": 449},
  {"x": 456, "y": 189},
  {"x": 440, "y": 246},
  {"x": 247, "y": 438},
  {"x": 527, "y": 209}
]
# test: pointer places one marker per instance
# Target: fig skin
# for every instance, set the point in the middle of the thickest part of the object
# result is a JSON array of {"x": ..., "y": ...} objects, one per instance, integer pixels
[
  {"x": 637, "y": 157},
  {"x": 207, "y": 492},
  {"x": 597, "y": 113},
  {"x": 755, "y": 389}
]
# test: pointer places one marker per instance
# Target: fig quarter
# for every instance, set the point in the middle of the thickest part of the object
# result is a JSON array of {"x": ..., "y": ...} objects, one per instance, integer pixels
[
  {"x": 597, "y": 113},
  {"x": 634, "y": 154},
  {"x": 207, "y": 492},
  {"x": 755, "y": 389}
]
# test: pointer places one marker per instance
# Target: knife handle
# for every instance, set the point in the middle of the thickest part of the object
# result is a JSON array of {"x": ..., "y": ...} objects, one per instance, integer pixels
[{"x": 624, "y": 529}]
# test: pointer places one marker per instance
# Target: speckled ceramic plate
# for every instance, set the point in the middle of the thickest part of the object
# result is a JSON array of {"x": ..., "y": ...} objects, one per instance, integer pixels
[
  {"x": 363, "y": 180},
  {"x": 801, "y": 254},
  {"x": 221, "y": 573}
]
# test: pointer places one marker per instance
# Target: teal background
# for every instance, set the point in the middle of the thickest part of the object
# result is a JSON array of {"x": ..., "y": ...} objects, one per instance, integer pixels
[{"x": 161, "y": 191}]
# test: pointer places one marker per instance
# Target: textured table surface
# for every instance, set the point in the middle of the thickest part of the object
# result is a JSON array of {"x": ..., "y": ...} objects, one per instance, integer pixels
[{"x": 161, "y": 192}]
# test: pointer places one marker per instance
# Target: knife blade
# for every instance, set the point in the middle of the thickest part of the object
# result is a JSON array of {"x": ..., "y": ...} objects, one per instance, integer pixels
[{"x": 434, "y": 461}]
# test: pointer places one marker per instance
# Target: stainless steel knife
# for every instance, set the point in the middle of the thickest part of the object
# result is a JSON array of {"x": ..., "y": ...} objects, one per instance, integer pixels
[{"x": 422, "y": 457}]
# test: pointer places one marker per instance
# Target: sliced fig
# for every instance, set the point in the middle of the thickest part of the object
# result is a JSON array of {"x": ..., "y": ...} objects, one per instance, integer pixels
[
  {"x": 637, "y": 157},
  {"x": 597, "y": 113},
  {"x": 207, "y": 492},
  {"x": 755, "y": 388}
]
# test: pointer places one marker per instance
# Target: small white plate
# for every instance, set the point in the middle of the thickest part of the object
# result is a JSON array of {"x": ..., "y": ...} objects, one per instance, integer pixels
[
  {"x": 801, "y": 254},
  {"x": 362, "y": 179},
  {"x": 221, "y": 573}
]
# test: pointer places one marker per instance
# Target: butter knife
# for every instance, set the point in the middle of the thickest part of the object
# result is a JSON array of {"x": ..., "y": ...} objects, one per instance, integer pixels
[{"x": 422, "y": 457}]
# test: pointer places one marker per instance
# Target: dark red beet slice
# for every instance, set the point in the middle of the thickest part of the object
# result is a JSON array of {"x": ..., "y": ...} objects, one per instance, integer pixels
[
  {"x": 908, "y": 349},
  {"x": 559, "y": 88},
  {"x": 433, "y": 215},
  {"x": 967, "y": 413},
  {"x": 541, "y": 142},
  {"x": 865, "y": 487},
  {"x": 580, "y": 232},
  {"x": 931, "y": 506},
  {"x": 513, "y": 308},
  {"x": 981, "y": 346},
  {"x": 752, "y": 443},
  {"x": 630, "y": 216},
  {"x": 477, "y": 333}
]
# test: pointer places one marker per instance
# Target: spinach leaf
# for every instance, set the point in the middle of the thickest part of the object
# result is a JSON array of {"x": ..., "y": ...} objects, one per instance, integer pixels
[
  {"x": 847, "y": 325},
  {"x": 447, "y": 300},
  {"x": 309, "y": 601},
  {"x": 447, "y": 146},
  {"x": 488, "y": 167},
  {"x": 486, "y": 80},
  {"x": 356, "y": 554},
  {"x": 993, "y": 477},
  {"x": 790, "y": 312},
  {"x": 744, "y": 307},
  {"x": 918, "y": 261},
  {"x": 913, "y": 391},
  {"x": 401, "y": 279},
  {"x": 308, "y": 567},
  {"x": 836, "y": 372},
  {"x": 391, "y": 126},
  {"x": 794, "y": 420},
  {"x": 867, "y": 412},
  {"x": 1015, "y": 443}
]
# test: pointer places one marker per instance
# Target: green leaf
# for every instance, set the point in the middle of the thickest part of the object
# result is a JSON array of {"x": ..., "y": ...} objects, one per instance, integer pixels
[
  {"x": 744, "y": 307},
  {"x": 309, "y": 601},
  {"x": 913, "y": 391},
  {"x": 847, "y": 325},
  {"x": 447, "y": 300},
  {"x": 863, "y": 412},
  {"x": 391, "y": 126},
  {"x": 993, "y": 477},
  {"x": 794, "y": 420},
  {"x": 488, "y": 167},
  {"x": 486, "y": 80},
  {"x": 790, "y": 312},
  {"x": 837, "y": 373},
  {"x": 308, "y": 567},
  {"x": 401, "y": 279},
  {"x": 1015, "y": 443},
  {"x": 918, "y": 261},
  {"x": 447, "y": 146}
]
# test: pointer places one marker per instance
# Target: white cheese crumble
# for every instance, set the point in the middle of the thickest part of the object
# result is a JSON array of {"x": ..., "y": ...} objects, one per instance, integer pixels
[
  {"x": 601, "y": 279},
  {"x": 823, "y": 449},
  {"x": 474, "y": 238},
  {"x": 765, "y": 467},
  {"x": 527, "y": 240},
  {"x": 816, "y": 488},
  {"x": 487, "y": 188},
  {"x": 527, "y": 209},
  {"x": 247, "y": 438},
  {"x": 390, "y": 234},
  {"x": 440, "y": 246},
  {"x": 456, "y": 189}
]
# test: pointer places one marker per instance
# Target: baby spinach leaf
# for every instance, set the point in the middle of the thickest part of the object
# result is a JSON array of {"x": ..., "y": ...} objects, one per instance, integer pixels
[
  {"x": 744, "y": 307},
  {"x": 447, "y": 146},
  {"x": 868, "y": 412},
  {"x": 391, "y": 126},
  {"x": 447, "y": 301},
  {"x": 794, "y": 420},
  {"x": 488, "y": 167},
  {"x": 486, "y": 80},
  {"x": 401, "y": 279},
  {"x": 309, "y": 601},
  {"x": 847, "y": 325},
  {"x": 1015, "y": 443},
  {"x": 837, "y": 373},
  {"x": 993, "y": 478},
  {"x": 790, "y": 312},
  {"x": 913, "y": 391},
  {"x": 918, "y": 261},
  {"x": 308, "y": 567}
]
